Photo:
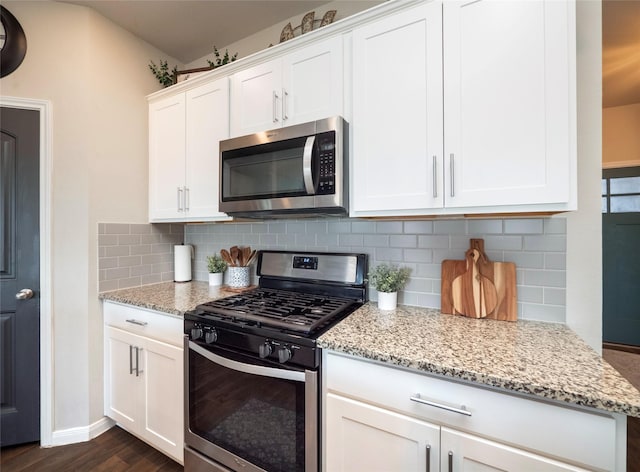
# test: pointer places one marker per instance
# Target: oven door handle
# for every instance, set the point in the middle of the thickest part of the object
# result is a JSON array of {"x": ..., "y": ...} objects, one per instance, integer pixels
[
  {"x": 307, "y": 161},
  {"x": 248, "y": 368}
]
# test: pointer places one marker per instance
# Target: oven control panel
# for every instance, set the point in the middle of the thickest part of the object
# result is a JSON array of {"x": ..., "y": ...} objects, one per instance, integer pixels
[
  {"x": 305, "y": 262},
  {"x": 270, "y": 348}
]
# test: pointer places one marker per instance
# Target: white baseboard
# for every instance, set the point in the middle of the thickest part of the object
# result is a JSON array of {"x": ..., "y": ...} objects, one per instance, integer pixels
[{"x": 81, "y": 433}]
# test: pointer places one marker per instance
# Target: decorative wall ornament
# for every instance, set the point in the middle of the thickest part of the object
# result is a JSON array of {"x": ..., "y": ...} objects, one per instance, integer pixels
[{"x": 309, "y": 23}]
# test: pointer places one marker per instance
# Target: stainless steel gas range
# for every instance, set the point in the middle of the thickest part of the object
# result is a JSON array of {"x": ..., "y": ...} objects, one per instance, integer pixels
[{"x": 252, "y": 366}]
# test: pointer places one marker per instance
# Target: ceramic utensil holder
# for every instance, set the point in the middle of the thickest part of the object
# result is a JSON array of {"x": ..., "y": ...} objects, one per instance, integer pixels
[{"x": 238, "y": 277}]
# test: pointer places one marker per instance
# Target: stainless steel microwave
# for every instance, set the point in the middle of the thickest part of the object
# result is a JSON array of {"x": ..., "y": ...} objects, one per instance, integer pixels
[{"x": 299, "y": 170}]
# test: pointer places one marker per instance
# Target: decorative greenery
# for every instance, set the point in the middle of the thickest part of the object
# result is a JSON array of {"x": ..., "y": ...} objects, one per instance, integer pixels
[
  {"x": 387, "y": 278},
  {"x": 216, "y": 264},
  {"x": 226, "y": 59},
  {"x": 162, "y": 73}
]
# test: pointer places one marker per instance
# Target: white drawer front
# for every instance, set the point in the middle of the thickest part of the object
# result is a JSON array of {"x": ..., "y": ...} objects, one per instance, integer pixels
[
  {"x": 567, "y": 433},
  {"x": 152, "y": 324}
]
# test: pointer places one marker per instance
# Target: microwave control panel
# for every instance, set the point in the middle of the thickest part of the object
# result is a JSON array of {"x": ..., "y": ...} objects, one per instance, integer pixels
[{"x": 326, "y": 152}]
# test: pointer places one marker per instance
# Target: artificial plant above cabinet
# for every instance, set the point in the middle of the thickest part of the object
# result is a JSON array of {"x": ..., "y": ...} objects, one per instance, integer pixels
[
  {"x": 303, "y": 85},
  {"x": 184, "y": 132},
  {"x": 477, "y": 116}
]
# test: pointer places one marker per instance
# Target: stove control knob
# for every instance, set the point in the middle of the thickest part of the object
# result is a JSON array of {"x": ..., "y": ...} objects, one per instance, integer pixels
[
  {"x": 265, "y": 350},
  {"x": 210, "y": 335},
  {"x": 196, "y": 332},
  {"x": 284, "y": 354}
]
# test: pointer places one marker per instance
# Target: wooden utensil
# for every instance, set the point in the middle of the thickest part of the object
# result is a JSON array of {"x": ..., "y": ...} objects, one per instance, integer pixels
[
  {"x": 227, "y": 257},
  {"x": 252, "y": 256},
  {"x": 477, "y": 287},
  {"x": 246, "y": 254},
  {"x": 234, "y": 251}
]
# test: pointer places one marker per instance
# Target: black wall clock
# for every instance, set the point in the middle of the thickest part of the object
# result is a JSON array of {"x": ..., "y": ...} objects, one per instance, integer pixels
[{"x": 13, "y": 43}]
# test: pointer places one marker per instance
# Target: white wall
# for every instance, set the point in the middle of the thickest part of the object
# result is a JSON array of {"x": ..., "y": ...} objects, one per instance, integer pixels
[
  {"x": 620, "y": 136},
  {"x": 584, "y": 227},
  {"x": 261, "y": 40},
  {"x": 96, "y": 76}
]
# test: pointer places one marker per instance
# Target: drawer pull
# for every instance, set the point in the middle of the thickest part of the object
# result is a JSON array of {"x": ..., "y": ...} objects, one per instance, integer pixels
[
  {"x": 428, "y": 458},
  {"x": 136, "y": 322},
  {"x": 450, "y": 461},
  {"x": 462, "y": 410}
]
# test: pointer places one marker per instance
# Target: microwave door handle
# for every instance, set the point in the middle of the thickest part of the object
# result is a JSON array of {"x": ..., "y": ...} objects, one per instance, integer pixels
[{"x": 307, "y": 160}]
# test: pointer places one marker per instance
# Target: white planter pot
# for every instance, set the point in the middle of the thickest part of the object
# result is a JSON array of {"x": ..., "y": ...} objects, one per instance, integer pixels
[
  {"x": 238, "y": 277},
  {"x": 387, "y": 301},
  {"x": 215, "y": 279}
]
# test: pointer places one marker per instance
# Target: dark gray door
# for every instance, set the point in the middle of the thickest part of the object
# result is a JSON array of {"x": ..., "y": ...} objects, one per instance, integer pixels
[
  {"x": 19, "y": 274},
  {"x": 621, "y": 256}
]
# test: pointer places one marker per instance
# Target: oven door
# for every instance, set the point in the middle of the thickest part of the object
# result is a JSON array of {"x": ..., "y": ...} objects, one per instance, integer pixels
[{"x": 246, "y": 414}]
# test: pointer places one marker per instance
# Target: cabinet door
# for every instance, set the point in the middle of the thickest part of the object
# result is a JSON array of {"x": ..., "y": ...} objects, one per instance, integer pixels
[
  {"x": 162, "y": 382},
  {"x": 466, "y": 453},
  {"x": 508, "y": 127},
  {"x": 313, "y": 82},
  {"x": 166, "y": 157},
  {"x": 364, "y": 437},
  {"x": 256, "y": 99},
  {"x": 397, "y": 114},
  {"x": 121, "y": 383},
  {"x": 207, "y": 123}
]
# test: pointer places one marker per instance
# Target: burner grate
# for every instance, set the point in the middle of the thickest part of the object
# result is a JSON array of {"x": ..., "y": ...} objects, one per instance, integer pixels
[{"x": 280, "y": 308}]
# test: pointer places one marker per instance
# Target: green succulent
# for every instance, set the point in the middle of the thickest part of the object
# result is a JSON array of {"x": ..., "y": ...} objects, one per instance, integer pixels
[
  {"x": 216, "y": 264},
  {"x": 387, "y": 278}
]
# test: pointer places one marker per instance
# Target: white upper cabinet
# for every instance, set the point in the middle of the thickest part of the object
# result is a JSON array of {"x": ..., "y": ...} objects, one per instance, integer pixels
[
  {"x": 304, "y": 85},
  {"x": 509, "y": 109},
  {"x": 397, "y": 113},
  {"x": 482, "y": 122},
  {"x": 184, "y": 134}
]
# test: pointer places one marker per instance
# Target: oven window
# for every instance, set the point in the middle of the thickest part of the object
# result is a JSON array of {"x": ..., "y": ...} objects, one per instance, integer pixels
[
  {"x": 264, "y": 171},
  {"x": 260, "y": 419}
]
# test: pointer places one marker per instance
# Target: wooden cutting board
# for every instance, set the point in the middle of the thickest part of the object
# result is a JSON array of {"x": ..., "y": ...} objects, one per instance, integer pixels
[{"x": 478, "y": 288}]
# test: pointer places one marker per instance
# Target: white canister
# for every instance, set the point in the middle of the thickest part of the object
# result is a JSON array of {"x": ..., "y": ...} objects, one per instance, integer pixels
[
  {"x": 182, "y": 255},
  {"x": 215, "y": 278},
  {"x": 387, "y": 300},
  {"x": 238, "y": 277}
]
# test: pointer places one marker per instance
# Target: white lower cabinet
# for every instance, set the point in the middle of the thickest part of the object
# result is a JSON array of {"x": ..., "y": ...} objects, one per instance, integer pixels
[
  {"x": 364, "y": 437},
  {"x": 144, "y": 376},
  {"x": 381, "y": 418}
]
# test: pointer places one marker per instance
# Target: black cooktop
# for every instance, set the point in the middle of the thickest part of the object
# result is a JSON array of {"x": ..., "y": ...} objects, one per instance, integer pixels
[{"x": 295, "y": 311}]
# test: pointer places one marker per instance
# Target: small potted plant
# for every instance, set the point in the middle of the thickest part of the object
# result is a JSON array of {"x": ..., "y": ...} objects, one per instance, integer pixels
[
  {"x": 387, "y": 280},
  {"x": 216, "y": 266}
]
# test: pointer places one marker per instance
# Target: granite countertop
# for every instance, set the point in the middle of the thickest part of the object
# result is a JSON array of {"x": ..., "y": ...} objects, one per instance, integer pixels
[
  {"x": 543, "y": 359},
  {"x": 168, "y": 297}
]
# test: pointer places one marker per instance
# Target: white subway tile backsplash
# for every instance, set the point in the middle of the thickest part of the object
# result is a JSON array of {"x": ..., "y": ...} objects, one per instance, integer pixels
[
  {"x": 530, "y": 294},
  {"x": 527, "y": 260},
  {"x": 546, "y": 243},
  {"x": 418, "y": 255},
  {"x": 363, "y": 227},
  {"x": 403, "y": 240},
  {"x": 555, "y": 225},
  {"x": 418, "y": 227},
  {"x": 524, "y": 226},
  {"x": 484, "y": 226},
  {"x": 544, "y": 278},
  {"x": 130, "y": 255},
  {"x": 555, "y": 296},
  {"x": 555, "y": 260},
  {"x": 376, "y": 240},
  {"x": 389, "y": 227},
  {"x": 435, "y": 242},
  {"x": 450, "y": 227}
]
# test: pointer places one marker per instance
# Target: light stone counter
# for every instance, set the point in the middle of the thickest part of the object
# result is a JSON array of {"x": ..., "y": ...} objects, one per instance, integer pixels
[
  {"x": 543, "y": 359},
  {"x": 168, "y": 297}
]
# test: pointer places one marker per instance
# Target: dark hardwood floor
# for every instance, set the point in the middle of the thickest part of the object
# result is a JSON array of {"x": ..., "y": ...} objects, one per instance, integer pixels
[{"x": 113, "y": 451}]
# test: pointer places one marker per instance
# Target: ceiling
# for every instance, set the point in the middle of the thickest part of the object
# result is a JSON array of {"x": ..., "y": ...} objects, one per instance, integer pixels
[{"x": 187, "y": 30}]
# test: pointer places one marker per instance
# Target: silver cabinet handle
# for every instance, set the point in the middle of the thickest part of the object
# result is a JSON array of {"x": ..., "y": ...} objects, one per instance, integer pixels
[
  {"x": 435, "y": 177},
  {"x": 186, "y": 199},
  {"x": 179, "y": 198},
  {"x": 24, "y": 294},
  {"x": 428, "y": 458},
  {"x": 130, "y": 359},
  {"x": 452, "y": 169},
  {"x": 462, "y": 410},
  {"x": 136, "y": 322},
  {"x": 450, "y": 461},
  {"x": 285, "y": 94},
  {"x": 275, "y": 104},
  {"x": 138, "y": 371}
]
